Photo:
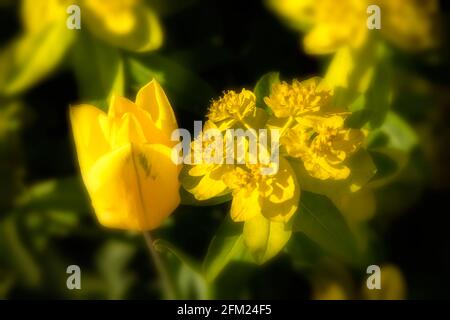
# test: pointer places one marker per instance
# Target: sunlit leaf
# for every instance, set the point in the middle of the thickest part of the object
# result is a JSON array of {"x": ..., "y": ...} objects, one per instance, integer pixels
[{"x": 32, "y": 57}]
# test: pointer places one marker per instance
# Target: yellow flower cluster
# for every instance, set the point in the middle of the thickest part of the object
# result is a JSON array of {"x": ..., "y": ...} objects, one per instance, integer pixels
[{"x": 310, "y": 129}]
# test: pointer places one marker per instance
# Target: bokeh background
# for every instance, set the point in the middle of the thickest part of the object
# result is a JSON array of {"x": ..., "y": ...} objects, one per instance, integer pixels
[{"x": 46, "y": 222}]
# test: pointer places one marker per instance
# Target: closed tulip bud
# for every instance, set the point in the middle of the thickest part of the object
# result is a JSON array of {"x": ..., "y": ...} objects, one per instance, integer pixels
[{"x": 125, "y": 159}]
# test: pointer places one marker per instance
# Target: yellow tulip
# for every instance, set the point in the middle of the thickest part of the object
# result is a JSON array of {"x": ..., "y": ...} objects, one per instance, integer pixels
[{"x": 125, "y": 159}]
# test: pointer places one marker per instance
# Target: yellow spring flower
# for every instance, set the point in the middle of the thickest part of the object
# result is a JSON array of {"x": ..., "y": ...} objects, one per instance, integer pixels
[
  {"x": 324, "y": 144},
  {"x": 275, "y": 196},
  {"x": 125, "y": 159},
  {"x": 266, "y": 204},
  {"x": 128, "y": 24},
  {"x": 232, "y": 107},
  {"x": 298, "y": 98},
  {"x": 233, "y": 110},
  {"x": 330, "y": 25}
]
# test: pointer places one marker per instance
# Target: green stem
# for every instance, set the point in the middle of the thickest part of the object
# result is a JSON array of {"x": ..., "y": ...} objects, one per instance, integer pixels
[{"x": 166, "y": 283}]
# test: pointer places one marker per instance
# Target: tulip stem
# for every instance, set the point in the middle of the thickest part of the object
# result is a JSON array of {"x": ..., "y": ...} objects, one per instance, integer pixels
[{"x": 166, "y": 284}]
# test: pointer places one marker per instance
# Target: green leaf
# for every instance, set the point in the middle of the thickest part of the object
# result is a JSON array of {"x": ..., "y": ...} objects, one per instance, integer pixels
[
  {"x": 304, "y": 252},
  {"x": 17, "y": 256},
  {"x": 227, "y": 245},
  {"x": 390, "y": 146},
  {"x": 379, "y": 95},
  {"x": 265, "y": 238},
  {"x": 363, "y": 83},
  {"x": 186, "y": 273},
  {"x": 112, "y": 261},
  {"x": 264, "y": 87},
  {"x": 185, "y": 89},
  {"x": 321, "y": 221},
  {"x": 399, "y": 134},
  {"x": 32, "y": 57},
  {"x": 93, "y": 59},
  {"x": 65, "y": 194}
]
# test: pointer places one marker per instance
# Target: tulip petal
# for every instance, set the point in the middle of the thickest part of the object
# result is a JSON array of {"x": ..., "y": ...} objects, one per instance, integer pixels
[
  {"x": 89, "y": 138},
  {"x": 120, "y": 106},
  {"x": 152, "y": 99},
  {"x": 134, "y": 187}
]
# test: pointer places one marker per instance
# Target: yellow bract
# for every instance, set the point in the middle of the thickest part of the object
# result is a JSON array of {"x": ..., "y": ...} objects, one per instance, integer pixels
[
  {"x": 273, "y": 196},
  {"x": 125, "y": 159}
]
